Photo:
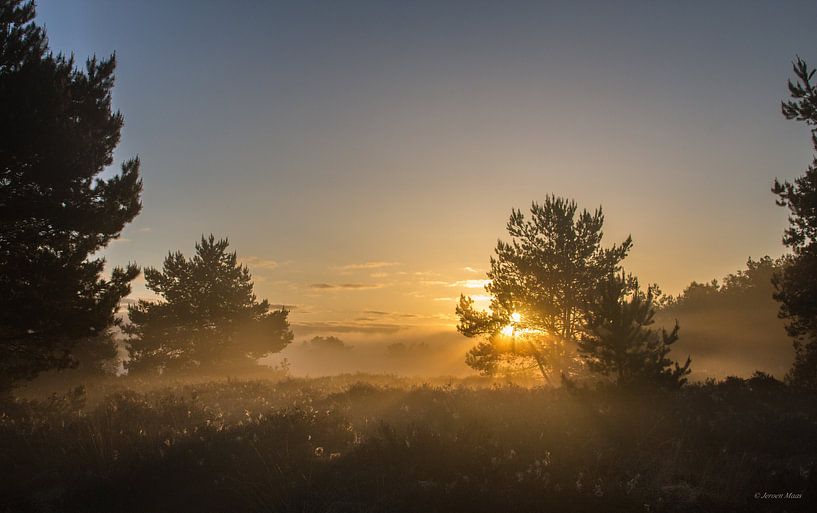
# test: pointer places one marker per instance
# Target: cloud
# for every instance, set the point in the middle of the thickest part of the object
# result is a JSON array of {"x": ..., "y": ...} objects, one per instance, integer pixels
[
  {"x": 475, "y": 297},
  {"x": 144, "y": 230},
  {"x": 466, "y": 284},
  {"x": 382, "y": 313},
  {"x": 365, "y": 265},
  {"x": 345, "y": 286},
  {"x": 304, "y": 328},
  {"x": 470, "y": 284},
  {"x": 472, "y": 270},
  {"x": 254, "y": 262}
]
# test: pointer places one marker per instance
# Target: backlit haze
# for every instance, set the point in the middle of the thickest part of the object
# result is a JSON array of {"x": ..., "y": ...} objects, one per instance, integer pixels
[{"x": 363, "y": 158}]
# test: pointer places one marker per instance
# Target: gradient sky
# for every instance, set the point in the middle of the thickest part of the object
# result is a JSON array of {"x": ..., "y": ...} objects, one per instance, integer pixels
[{"x": 363, "y": 157}]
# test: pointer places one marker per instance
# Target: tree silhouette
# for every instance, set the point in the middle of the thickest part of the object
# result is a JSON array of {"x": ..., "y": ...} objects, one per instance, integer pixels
[
  {"x": 57, "y": 134},
  {"x": 797, "y": 284},
  {"x": 619, "y": 342},
  {"x": 209, "y": 318},
  {"x": 541, "y": 283}
]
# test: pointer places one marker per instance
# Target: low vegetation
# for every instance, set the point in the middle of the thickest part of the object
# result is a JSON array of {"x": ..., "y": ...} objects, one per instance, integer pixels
[{"x": 386, "y": 444}]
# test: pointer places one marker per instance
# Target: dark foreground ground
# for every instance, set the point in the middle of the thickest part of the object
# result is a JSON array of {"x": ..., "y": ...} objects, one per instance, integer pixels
[{"x": 334, "y": 445}]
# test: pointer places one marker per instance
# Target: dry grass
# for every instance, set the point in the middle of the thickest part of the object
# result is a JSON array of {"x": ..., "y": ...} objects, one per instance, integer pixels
[{"x": 388, "y": 444}]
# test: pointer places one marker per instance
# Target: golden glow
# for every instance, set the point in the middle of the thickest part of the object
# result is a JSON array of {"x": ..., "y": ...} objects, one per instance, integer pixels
[{"x": 511, "y": 329}]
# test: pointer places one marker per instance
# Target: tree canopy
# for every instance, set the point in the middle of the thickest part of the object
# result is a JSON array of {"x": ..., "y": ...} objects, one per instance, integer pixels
[
  {"x": 540, "y": 283},
  {"x": 797, "y": 283},
  {"x": 620, "y": 343},
  {"x": 208, "y": 319},
  {"x": 57, "y": 134}
]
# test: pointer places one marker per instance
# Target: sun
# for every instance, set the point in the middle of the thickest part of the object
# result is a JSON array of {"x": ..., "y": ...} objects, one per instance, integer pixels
[{"x": 511, "y": 328}]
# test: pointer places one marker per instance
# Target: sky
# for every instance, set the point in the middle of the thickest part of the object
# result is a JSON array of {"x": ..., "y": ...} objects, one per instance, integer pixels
[{"x": 363, "y": 157}]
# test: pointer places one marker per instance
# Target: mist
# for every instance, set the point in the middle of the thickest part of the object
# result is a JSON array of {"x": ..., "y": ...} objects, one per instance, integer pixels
[{"x": 415, "y": 352}]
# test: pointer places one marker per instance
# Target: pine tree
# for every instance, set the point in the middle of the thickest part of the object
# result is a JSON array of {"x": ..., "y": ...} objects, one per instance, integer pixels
[
  {"x": 540, "y": 284},
  {"x": 209, "y": 319},
  {"x": 619, "y": 342},
  {"x": 57, "y": 134},
  {"x": 796, "y": 285}
]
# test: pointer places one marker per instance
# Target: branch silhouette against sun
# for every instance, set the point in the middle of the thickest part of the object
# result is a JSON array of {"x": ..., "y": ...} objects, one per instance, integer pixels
[{"x": 541, "y": 284}]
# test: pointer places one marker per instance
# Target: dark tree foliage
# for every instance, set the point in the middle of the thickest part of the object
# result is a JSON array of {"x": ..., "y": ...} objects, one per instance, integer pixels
[
  {"x": 209, "y": 319},
  {"x": 619, "y": 342},
  {"x": 797, "y": 284},
  {"x": 97, "y": 356},
  {"x": 547, "y": 274},
  {"x": 57, "y": 134},
  {"x": 796, "y": 288}
]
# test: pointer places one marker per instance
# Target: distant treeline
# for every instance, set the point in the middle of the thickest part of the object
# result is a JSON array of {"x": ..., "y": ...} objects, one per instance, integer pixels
[{"x": 732, "y": 327}]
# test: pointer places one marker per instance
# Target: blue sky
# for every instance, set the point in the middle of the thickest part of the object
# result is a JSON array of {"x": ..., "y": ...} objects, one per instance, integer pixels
[{"x": 378, "y": 147}]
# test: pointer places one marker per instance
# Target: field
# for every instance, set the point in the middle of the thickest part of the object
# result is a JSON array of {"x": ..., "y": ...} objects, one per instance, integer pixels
[{"x": 361, "y": 443}]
